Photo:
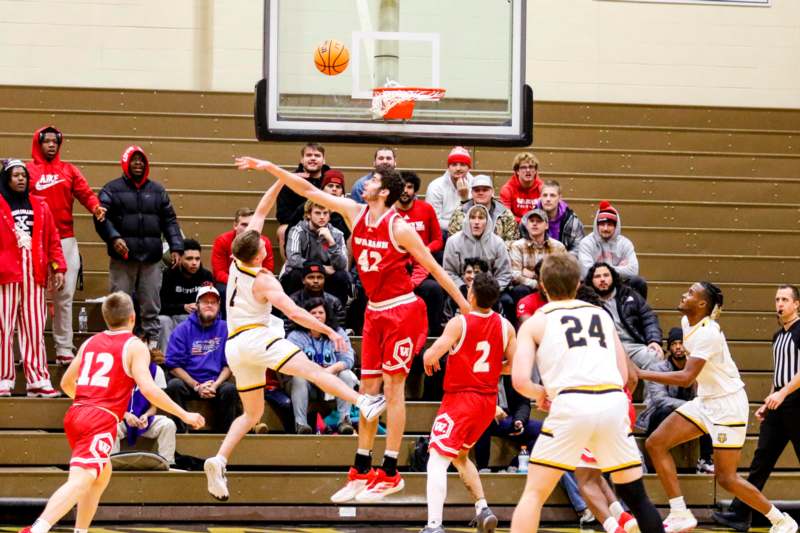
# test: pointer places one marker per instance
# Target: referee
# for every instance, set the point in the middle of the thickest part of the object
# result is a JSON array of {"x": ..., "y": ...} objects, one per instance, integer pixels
[{"x": 781, "y": 410}]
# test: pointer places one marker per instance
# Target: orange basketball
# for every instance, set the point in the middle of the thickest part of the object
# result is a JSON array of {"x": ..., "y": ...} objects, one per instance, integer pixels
[{"x": 331, "y": 57}]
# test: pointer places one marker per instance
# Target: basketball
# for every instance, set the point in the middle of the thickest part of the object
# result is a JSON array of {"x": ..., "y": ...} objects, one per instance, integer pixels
[{"x": 331, "y": 57}]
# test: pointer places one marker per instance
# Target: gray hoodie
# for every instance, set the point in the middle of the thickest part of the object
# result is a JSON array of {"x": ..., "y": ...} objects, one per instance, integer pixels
[
  {"x": 488, "y": 247},
  {"x": 302, "y": 245},
  {"x": 618, "y": 251}
]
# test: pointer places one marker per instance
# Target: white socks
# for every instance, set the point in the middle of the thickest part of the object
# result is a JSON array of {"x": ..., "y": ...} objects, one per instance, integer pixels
[
  {"x": 392, "y": 454},
  {"x": 774, "y": 515},
  {"x": 41, "y": 526},
  {"x": 610, "y": 525},
  {"x": 677, "y": 504},
  {"x": 480, "y": 505},
  {"x": 222, "y": 460},
  {"x": 616, "y": 510},
  {"x": 437, "y": 487}
]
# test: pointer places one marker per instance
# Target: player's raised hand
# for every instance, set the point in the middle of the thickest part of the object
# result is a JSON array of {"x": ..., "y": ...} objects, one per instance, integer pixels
[
  {"x": 195, "y": 420},
  {"x": 250, "y": 163}
]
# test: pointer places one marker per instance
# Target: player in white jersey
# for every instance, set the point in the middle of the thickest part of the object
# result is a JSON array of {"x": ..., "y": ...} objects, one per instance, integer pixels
[
  {"x": 583, "y": 368},
  {"x": 256, "y": 342},
  {"x": 720, "y": 410}
]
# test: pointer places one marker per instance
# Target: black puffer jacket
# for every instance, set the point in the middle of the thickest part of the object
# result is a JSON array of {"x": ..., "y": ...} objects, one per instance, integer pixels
[
  {"x": 139, "y": 213},
  {"x": 637, "y": 316}
]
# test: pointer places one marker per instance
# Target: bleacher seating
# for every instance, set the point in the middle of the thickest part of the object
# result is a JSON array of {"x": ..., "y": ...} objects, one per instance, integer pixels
[{"x": 704, "y": 193}]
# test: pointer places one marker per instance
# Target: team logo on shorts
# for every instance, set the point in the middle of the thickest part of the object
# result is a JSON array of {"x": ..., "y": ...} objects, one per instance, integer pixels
[
  {"x": 402, "y": 354},
  {"x": 722, "y": 437},
  {"x": 101, "y": 446},
  {"x": 442, "y": 427}
]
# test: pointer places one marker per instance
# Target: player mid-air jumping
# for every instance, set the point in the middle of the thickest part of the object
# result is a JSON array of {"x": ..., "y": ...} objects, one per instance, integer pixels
[
  {"x": 100, "y": 380},
  {"x": 395, "y": 322}
]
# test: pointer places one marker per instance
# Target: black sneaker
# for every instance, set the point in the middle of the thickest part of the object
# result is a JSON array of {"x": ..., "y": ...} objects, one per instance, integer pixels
[
  {"x": 303, "y": 429},
  {"x": 732, "y": 520},
  {"x": 345, "y": 428}
]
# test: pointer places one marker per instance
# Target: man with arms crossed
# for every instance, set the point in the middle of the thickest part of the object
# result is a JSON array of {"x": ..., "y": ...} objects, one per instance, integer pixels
[
  {"x": 478, "y": 342},
  {"x": 256, "y": 342},
  {"x": 720, "y": 410},
  {"x": 395, "y": 322},
  {"x": 583, "y": 368},
  {"x": 100, "y": 380}
]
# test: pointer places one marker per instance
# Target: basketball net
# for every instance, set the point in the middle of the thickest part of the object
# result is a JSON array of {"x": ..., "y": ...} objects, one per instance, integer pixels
[{"x": 397, "y": 103}]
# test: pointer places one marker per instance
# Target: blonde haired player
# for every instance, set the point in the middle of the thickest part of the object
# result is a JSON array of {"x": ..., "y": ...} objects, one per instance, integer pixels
[
  {"x": 720, "y": 410},
  {"x": 100, "y": 380},
  {"x": 583, "y": 368},
  {"x": 256, "y": 342}
]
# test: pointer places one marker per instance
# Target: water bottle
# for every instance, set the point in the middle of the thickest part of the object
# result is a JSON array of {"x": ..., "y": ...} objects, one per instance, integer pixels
[
  {"x": 83, "y": 321},
  {"x": 522, "y": 460}
]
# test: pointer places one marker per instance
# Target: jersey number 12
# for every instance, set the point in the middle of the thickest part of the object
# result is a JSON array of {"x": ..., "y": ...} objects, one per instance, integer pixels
[{"x": 98, "y": 378}]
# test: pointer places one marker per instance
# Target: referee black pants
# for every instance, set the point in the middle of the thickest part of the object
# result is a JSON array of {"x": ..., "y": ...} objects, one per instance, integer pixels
[{"x": 779, "y": 427}]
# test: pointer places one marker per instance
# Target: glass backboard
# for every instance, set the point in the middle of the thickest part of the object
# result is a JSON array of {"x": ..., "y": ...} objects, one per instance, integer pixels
[{"x": 473, "y": 49}]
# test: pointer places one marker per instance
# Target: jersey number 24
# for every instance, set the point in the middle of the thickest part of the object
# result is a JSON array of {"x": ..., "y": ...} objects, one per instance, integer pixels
[{"x": 574, "y": 331}]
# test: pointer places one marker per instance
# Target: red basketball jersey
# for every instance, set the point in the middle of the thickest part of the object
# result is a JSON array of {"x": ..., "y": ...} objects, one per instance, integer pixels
[
  {"x": 380, "y": 261},
  {"x": 102, "y": 380},
  {"x": 475, "y": 362}
]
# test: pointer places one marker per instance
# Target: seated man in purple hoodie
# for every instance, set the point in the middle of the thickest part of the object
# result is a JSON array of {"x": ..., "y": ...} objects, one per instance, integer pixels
[
  {"x": 563, "y": 224},
  {"x": 196, "y": 357}
]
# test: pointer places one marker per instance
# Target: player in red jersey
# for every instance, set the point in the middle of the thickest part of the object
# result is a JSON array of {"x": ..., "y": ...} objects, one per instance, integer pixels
[
  {"x": 478, "y": 343},
  {"x": 101, "y": 380},
  {"x": 395, "y": 322}
]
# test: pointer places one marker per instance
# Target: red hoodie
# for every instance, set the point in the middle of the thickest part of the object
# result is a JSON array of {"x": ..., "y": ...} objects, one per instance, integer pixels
[
  {"x": 221, "y": 257},
  {"x": 59, "y": 183},
  {"x": 46, "y": 250},
  {"x": 518, "y": 200}
]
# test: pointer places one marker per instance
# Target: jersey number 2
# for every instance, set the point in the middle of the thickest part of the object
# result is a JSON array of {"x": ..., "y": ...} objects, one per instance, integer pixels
[
  {"x": 100, "y": 376},
  {"x": 368, "y": 260},
  {"x": 482, "y": 364},
  {"x": 573, "y": 332}
]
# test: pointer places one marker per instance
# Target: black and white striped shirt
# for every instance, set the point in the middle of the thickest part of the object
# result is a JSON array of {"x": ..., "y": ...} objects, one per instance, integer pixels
[{"x": 786, "y": 355}]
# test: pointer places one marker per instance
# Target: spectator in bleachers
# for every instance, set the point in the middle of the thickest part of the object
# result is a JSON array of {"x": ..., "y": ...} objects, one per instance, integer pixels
[
  {"x": 139, "y": 211},
  {"x": 276, "y": 397},
  {"x": 332, "y": 183},
  {"x": 141, "y": 420},
  {"x": 31, "y": 259},
  {"x": 320, "y": 349},
  {"x": 606, "y": 244},
  {"x": 447, "y": 192},
  {"x": 483, "y": 194},
  {"x": 311, "y": 167},
  {"x": 196, "y": 359},
  {"x": 637, "y": 324},
  {"x": 314, "y": 287},
  {"x": 563, "y": 224},
  {"x": 221, "y": 255},
  {"x": 422, "y": 217},
  {"x": 179, "y": 287},
  {"x": 60, "y": 183},
  {"x": 315, "y": 239},
  {"x": 384, "y": 155},
  {"x": 526, "y": 252},
  {"x": 520, "y": 192},
  {"x": 478, "y": 239},
  {"x": 472, "y": 265},
  {"x": 661, "y": 400}
]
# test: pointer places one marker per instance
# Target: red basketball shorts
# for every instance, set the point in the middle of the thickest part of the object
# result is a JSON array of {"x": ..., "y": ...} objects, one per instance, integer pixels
[
  {"x": 393, "y": 335},
  {"x": 91, "y": 433},
  {"x": 461, "y": 420}
]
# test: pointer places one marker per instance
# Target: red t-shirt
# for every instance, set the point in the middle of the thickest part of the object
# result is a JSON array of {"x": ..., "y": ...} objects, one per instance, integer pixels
[
  {"x": 221, "y": 256},
  {"x": 422, "y": 218},
  {"x": 518, "y": 200}
]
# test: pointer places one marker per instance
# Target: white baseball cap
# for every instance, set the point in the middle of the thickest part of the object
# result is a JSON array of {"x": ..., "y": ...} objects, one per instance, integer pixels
[{"x": 206, "y": 289}]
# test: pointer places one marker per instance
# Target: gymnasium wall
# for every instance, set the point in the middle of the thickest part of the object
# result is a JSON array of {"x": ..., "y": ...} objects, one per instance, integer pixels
[{"x": 578, "y": 50}]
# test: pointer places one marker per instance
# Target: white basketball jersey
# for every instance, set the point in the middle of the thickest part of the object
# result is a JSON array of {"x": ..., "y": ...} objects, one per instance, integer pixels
[
  {"x": 705, "y": 340},
  {"x": 577, "y": 349},
  {"x": 242, "y": 307}
]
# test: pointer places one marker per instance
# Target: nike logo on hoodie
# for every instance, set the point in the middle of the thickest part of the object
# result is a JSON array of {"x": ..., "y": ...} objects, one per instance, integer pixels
[{"x": 47, "y": 181}]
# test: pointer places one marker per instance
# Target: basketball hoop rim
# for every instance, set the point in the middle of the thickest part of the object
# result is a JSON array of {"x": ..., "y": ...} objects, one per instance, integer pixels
[{"x": 413, "y": 92}]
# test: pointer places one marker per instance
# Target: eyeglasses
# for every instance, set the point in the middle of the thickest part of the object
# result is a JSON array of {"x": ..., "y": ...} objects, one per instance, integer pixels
[{"x": 528, "y": 167}]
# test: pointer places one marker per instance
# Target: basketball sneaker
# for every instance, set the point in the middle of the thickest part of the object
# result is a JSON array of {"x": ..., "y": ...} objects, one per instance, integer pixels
[
  {"x": 485, "y": 522},
  {"x": 380, "y": 486},
  {"x": 217, "y": 482},
  {"x": 680, "y": 521},
  {"x": 64, "y": 359},
  {"x": 26, "y": 530},
  {"x": 371, "y": 406},
  {"x": 785, "y": 525},
  {"x": 432, "y": 529},
  {"x": 4, "y": 391},
  {"x": 356, "y": 484},
  {"x": 628, "y": 523},
  {"x": 43, "y": 392}
]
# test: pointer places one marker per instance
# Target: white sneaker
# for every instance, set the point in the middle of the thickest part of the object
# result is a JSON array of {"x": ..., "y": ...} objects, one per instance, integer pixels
[
  {"x": 786, "y": 525},
  {"x": 217, "y": 482},
  {"x": 373, "y": 406},
  {"x": 680, "y": 521},
  {"x": 356, "y": 484}
]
